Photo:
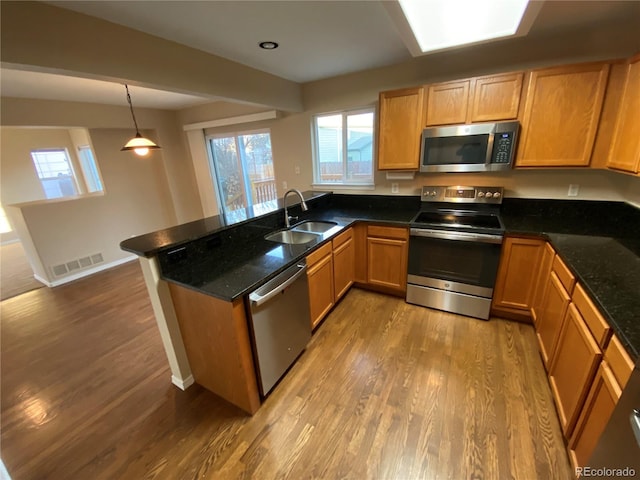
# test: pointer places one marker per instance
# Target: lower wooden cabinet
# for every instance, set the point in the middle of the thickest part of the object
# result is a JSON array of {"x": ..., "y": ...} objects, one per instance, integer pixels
[
  {"x": 573, "y": 367},
  {"x": 542, "y": 281},
  {"x": 320, "y": 277},
  {"x": 549, "y": 323},
  {"x": 343, "y": 263},
  {"x": 553, "y": 307},
  {"x": 603, "y": 396},
  {"x": 611, "y": 378},
  {"x": 517, "y": 275},
  {"x": 387, "y": 253}
]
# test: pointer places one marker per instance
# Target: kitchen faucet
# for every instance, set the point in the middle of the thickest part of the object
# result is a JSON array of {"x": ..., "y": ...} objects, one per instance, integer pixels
[{"x": 303, "y": 205}]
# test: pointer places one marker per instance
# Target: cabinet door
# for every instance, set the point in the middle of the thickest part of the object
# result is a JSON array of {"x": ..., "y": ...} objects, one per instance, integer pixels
[
  {"x": 625, "y": 148},
  {"x": 447, "y": 103},
  {"x": 598, "y": 407},
  {"x": 554, "y": 307},
  {"x": 519, "y": 264},
  {"x": 387, "y": 263},
  {"x": 320, "y": 277},
  {"x": 561, "y": 115},
  {"x": 343, "y": 265},
  {"x": 542, "y": 281},
  {"x": 572, "y": 369},
  {"x": 400, "y": 124},
  {"x": 496, "y": 97}
]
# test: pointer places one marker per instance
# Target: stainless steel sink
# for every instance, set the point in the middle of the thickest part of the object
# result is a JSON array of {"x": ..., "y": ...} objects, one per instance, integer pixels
[
  {"x": 291, "y": 236},
  {"x": 316, "y": 227}
]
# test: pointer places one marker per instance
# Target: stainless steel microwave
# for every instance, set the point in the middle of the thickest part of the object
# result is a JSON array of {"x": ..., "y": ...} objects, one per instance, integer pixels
[{"x": 477, "y": 147}]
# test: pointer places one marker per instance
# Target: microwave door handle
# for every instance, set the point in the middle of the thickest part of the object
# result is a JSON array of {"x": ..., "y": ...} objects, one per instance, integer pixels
[{"x": 492, "y": 136}]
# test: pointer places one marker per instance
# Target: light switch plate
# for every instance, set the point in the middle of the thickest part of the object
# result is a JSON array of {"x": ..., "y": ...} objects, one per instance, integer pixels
[{"x": 573, "y": 190}]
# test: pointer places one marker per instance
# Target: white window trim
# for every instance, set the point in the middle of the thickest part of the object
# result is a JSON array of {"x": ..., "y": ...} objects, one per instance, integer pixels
[{"x": 314, "y": 152}]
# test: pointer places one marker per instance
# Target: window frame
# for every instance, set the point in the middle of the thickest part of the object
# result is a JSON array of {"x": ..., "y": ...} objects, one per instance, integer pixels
[
  {"x": 317, "y": 182},
  {"x": 235, "y": 134},
  {"x": 74, "y": 175},
  {"x": 92, "y": 173}
]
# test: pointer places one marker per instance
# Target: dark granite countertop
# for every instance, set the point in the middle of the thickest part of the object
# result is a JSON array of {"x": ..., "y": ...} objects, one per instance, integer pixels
[
  {"x": 600, "y": 243},
  {"x": 232, "y": 262}
]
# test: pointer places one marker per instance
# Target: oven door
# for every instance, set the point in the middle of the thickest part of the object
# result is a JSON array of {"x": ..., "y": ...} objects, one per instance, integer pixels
[{"x": 453, "y": 271}]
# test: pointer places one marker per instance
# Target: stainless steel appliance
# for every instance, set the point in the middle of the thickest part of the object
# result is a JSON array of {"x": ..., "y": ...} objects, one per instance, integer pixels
[
  {"x": 281, "y": 323},
  {"x": 454, "y": 249},
  {"x": 617, "y": 453},
  {"x": 478, "y": 147}
]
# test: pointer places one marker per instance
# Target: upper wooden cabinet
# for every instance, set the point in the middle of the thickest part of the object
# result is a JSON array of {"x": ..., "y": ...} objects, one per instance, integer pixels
[
  {"x": 480, "y": 99},
  {"x": 400, "y": 124},
  {"x": 561, "y": 115},
  {"x": 625, "y": 147},
  {"x": 448, "y": 102}
]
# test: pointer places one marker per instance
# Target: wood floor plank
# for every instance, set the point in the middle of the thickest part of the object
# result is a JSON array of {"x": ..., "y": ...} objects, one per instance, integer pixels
[{"x": 384, "y": 390}]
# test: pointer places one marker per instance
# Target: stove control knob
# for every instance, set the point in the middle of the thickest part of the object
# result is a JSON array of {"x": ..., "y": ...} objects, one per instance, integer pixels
[
  {"x": 432, "y": 193},
  {"x": 480, "y": 194},
  {"x": 496, "y": 195}
]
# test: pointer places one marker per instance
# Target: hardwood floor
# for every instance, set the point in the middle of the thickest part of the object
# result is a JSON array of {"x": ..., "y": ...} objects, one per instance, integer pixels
[
  {"x": 16, "y": 275},
  {"x": 385, "y": 390}
]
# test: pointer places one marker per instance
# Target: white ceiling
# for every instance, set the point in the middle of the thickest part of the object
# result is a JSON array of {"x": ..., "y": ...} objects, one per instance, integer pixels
[
  {"x": 47, "y": 86},
  {"x": 318, "y": 39}
]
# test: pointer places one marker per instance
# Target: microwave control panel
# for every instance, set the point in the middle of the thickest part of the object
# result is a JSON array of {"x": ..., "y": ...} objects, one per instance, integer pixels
[{"x": 502, "y": 147}]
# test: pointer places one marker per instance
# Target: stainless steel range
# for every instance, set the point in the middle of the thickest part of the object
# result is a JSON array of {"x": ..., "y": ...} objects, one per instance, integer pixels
[{"x": 454, "y": 249}]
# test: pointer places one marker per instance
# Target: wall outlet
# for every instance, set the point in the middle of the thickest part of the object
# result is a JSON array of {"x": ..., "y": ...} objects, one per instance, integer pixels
[
  {"x": 394, "y": 188},
  {"x": 297, "y": 170},
  {"x": 573, "y": 190},
  {"x": 284, "y": 185}
]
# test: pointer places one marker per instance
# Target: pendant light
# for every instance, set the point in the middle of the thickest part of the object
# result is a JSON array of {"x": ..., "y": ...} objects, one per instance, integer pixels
[{"x": 139, "y": 144}]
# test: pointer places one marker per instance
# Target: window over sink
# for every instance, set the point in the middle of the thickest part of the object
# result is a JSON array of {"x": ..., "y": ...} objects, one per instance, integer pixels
[{"x": 343, "y": 148}]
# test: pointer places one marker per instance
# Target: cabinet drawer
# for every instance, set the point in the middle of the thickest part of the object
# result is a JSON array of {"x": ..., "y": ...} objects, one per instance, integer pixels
[
  {"x": 564, "y": 274},
  {"x": 343, "y": 237},
  {"x": 598, "y": 326},
  {"x": 388, "y": 232},
  {"x": 619, "y": 361},
  {"x": 318, "y": 255}
]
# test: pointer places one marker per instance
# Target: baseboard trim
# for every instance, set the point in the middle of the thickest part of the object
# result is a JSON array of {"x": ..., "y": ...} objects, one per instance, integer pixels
[
  {"x": 85, "y": 273},
  {"x": 182, "y": 384}
]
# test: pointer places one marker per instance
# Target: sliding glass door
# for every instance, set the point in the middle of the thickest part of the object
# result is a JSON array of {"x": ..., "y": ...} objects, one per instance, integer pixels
[{"x": 243, "y": 166}]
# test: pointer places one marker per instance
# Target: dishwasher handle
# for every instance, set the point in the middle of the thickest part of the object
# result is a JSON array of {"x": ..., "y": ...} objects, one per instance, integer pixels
[{"x": 257, "y": 298}]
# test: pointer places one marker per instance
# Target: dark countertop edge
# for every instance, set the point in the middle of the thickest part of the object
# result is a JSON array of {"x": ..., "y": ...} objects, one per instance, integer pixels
[
  {"x": 155, "y": 247},
  {"x": 548, "y": 236},
  {"x": 342, "y": 221}
]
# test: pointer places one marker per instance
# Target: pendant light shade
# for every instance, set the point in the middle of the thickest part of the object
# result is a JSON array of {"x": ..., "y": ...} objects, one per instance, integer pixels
[{"x": 139, "y": 144}]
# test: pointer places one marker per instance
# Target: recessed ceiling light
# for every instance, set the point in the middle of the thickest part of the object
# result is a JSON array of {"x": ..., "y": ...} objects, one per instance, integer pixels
[
  {"x": 441, "y": 24},
  {"x": 268, "y": 45}
]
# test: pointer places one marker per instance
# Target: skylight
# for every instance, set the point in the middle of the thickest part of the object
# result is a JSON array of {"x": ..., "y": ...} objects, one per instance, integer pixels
[{"x": 441, "y": 24}]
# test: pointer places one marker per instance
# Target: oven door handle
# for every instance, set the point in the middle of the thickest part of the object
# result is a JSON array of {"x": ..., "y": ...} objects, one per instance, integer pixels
[{"x": 459, "y": 236}]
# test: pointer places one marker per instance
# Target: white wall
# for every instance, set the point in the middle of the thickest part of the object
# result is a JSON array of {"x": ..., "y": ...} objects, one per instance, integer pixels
[
  {"x": 138, "y": 197},
  {"x": 291, "y": 144}
]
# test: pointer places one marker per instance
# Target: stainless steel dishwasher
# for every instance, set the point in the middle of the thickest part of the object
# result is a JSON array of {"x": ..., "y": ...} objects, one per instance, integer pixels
[{"x": 281, "y": 323}]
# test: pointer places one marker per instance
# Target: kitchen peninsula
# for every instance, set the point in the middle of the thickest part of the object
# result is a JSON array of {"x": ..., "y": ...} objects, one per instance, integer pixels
[{"x": 598, "y": 241}]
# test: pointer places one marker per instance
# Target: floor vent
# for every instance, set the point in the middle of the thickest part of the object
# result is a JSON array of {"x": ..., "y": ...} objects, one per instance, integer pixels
[{"x": 77, "y": 264}]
